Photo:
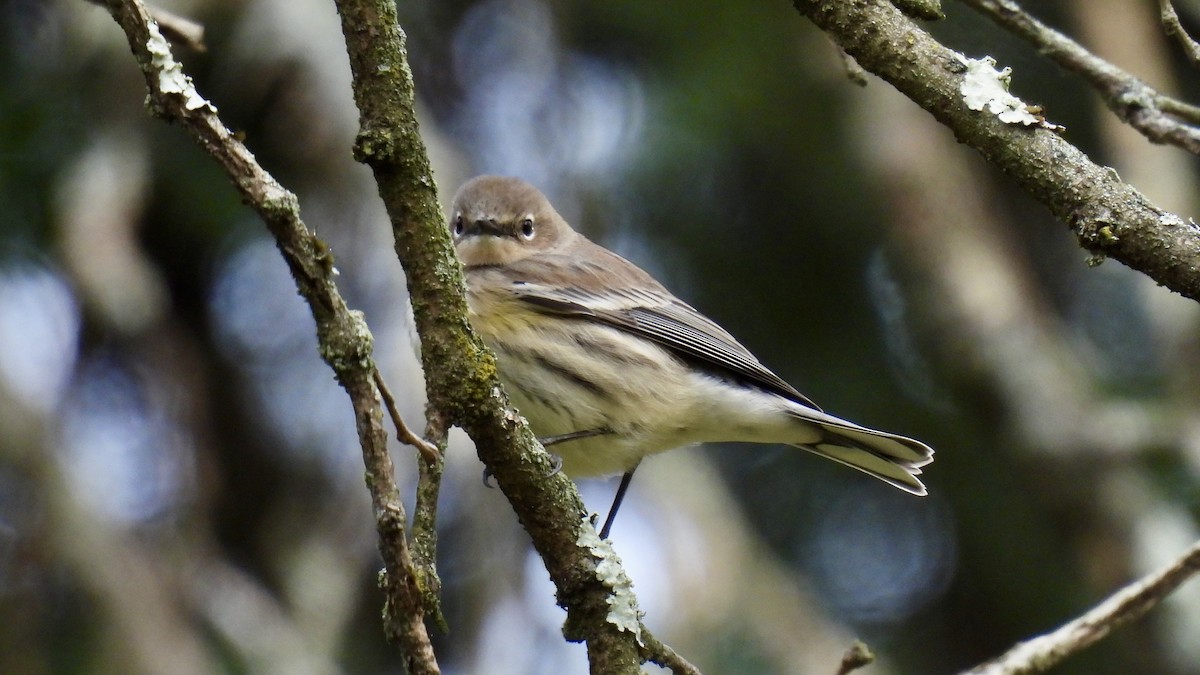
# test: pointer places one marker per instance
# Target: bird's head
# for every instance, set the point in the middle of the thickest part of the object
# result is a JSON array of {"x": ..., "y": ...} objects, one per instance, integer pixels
[{"x": 496, "y": 220}]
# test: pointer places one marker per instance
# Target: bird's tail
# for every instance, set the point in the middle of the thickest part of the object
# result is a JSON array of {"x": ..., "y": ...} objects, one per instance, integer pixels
[{"x": 894, "y": 459}]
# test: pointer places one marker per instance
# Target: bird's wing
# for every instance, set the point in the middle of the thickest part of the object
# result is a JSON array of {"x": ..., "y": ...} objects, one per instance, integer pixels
[{"x": 657, "y": 315}]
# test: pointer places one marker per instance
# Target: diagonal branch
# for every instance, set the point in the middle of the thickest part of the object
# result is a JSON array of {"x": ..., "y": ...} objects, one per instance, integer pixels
[
  {"x": 1109, "y": 217},
  {"x": 429, "y": 451},
  {"x": 176, "y": 28},
  {"x": 1045, "y": 651},
  {"x": 1134, "y": 101},
  {"x": 344, "y": 341},
  {"x": 460, "y": 373},
  {"x": 658, "y": 652},
  {"x": 1174, "y": 28}
]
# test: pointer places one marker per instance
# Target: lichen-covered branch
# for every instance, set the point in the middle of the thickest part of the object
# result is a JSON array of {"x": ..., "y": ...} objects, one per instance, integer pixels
[
  {"x": 1134, "y": 101},
  {"x": 343, "y": 338},
  {"x": 859, "y": 655},
  {"x": 1109, "y": 217},
  {"x": 460, "y": 373},
  {"x": 176, "y": 28},
  {"x": 1175, "y": 29},
  {"x": 657, "y": 652}
]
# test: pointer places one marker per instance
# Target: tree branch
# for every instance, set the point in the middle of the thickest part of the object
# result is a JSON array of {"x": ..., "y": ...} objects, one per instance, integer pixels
[
  {"x": 1109, "y": 217},
  {"x": 658, "y": 652},
  {"x": 424, "y": 526},
  {"x": 1173, "y": 28},
  {"x": 859, "y": 655},
  {"x": 1131, "y": 99},
  {"x": 1043, "y": 652},
  {"x": 460, "y": 373},
  {"x": 429, "y": 451},
  {"x": 344, "y": 341},
  {"x": 176, "y": 28}
]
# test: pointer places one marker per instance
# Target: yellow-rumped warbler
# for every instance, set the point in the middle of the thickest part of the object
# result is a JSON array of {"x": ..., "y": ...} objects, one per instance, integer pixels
[{"x": 595, "y": 352}]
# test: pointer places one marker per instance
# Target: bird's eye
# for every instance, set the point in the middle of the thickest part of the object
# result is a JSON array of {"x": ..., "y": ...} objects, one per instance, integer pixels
[
  {"x": 458, "y": 225},
  {"x": 527, "y": 228}
]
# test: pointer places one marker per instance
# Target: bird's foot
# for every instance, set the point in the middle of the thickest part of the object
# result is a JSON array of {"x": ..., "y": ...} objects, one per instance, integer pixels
[{"x": 555, "y": 465}]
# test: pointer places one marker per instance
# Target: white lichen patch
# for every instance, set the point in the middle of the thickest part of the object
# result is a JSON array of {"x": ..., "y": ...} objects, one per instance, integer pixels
[
  {"x": 623, "y": 611},
  {"x": 985, "y": 88},
  {"x": 171, "y": 78},
  {"x": 1171, "y": 220}
]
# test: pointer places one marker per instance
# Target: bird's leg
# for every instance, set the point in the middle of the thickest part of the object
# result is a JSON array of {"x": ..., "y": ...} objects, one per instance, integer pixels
[
  {"x": 555, "y": 440},
  {"x": 620, "y": 496},
  {"x": 563, "y": 438}
]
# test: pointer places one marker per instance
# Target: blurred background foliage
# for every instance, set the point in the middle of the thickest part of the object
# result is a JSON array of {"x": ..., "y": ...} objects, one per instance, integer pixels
[{"x": 180, "y": 487}]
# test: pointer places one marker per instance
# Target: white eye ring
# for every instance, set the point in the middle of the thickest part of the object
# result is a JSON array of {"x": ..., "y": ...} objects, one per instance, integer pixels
[{"x": 527, "y": 228}]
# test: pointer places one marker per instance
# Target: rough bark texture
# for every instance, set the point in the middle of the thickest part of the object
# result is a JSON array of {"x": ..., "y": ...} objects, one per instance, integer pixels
[
  {"x": 460, "y": 373},
  {"x": 344, "y": 341},
  {"x": 1109, "y": 217}
]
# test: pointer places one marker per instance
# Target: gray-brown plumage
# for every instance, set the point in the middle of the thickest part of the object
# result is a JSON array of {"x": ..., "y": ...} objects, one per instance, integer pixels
[{"x": 586, "y": 340}]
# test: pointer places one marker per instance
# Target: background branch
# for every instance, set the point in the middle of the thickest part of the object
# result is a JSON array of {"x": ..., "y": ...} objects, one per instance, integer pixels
[
  {"x": 1108, "y": 216},
  {"x": 176, "y": 28},
  {"x": 1051, "y": 400},
  {"x": 1131, "y": 99},
  {"x": 1044, "y": 652},
  {"x": 1171, "y": 24},
  {"x": 345, "y": 342},
  {"x": 147, "y": 325}
]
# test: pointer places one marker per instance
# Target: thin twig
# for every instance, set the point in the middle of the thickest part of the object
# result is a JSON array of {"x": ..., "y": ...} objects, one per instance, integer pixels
[
  {"x": 1134, "y": 101},
  {"x": 424, "y": 522},
  {"x": 660, "y": 653},
  {"x": 1181, "y": 109},
  {"x": 1129, "y": 603},
  {"x": 428, "y": 450},
  {"x": 924, "y": 10},
  {"x": 424, "y": 525},
  {"x": 345, "y": 342},
  {"x": 178, "y": 29},
  {"x": 1108, "y": 217},
  {"x": 854, "y": 72},
  {"x": 859, "y": 655},
  {"x": 1173, "y": 28}
]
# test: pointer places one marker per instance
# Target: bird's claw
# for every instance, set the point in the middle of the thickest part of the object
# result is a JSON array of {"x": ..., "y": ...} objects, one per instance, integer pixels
[
  {"x": 487, "y": 478},
  {"x": 556, "y": 463}
]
